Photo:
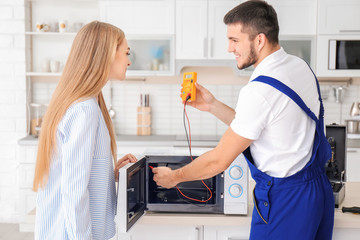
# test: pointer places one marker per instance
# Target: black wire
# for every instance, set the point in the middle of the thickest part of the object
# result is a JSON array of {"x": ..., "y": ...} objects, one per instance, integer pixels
[{"x": 187, "y": 137}]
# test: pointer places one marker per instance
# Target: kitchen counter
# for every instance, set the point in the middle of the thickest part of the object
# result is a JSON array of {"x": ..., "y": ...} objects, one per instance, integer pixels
[
  {"x": 147, "y": 141},
  {"x": 168, "y": 140},
  {"x": 342, "y": 220}
]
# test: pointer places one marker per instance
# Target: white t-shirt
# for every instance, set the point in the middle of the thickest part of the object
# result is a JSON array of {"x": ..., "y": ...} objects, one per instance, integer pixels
[{"x": 283, "y": 133}]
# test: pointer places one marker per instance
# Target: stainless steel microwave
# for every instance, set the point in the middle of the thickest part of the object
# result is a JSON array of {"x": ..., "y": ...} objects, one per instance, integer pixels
[
  {"x": 344, "y": 54},
  {"x": 137, "y": 191}
]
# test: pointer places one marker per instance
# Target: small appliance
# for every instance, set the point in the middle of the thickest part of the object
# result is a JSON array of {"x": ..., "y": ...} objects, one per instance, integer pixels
[
  {"x": 137, "y": 191},
  {"x": 335, "y": 167},
  {"x": 344, "y": 54}
]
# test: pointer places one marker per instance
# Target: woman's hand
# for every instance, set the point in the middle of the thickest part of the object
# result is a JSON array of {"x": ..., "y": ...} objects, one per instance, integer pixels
[
  {"x": 204, "y": 99},
  {"x": 128, "y": 158}
]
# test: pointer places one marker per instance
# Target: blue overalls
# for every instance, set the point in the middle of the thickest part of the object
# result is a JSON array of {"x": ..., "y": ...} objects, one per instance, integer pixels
[{"x": 300, "y": 206}]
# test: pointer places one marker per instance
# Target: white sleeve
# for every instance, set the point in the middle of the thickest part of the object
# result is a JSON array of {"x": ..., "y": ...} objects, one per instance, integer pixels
[
  {"x": 80, "y": 127},
  {"x": 253, "y": 113}
]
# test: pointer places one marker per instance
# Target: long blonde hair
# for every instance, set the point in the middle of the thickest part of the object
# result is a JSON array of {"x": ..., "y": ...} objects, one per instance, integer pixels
[{"x": 85, "y": 74}]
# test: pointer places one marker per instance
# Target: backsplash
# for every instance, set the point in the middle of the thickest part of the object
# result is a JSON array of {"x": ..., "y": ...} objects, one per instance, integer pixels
[{"x": 167, "y": 109}]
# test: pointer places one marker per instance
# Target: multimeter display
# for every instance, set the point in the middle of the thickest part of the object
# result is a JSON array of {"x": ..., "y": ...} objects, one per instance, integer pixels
[{"x": 189, "y": 88}]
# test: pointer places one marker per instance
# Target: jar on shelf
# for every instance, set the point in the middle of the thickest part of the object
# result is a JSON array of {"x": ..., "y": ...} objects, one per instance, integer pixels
[{"x": 36, "y": 115}]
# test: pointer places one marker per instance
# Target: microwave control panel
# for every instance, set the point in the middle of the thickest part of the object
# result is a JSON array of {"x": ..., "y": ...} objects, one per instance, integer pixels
[{"x": 236, "y": 187}]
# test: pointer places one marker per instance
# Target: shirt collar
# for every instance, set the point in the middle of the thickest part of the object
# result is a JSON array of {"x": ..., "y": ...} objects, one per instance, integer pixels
[{"x": 262, "y": 67}]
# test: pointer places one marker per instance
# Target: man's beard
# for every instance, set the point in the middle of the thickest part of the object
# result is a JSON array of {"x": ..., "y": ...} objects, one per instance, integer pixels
[{"x": 252, "y": 58}]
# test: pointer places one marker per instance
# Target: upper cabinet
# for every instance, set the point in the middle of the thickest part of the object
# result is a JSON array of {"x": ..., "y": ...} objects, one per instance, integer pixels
[
  {"x": 140, "y": 17},
  {"x": 200, "y": 30},
  {"x": 339, "y": 17},
  {"x": 149, "y": 27},
  {"x": 296, "y": 17}
]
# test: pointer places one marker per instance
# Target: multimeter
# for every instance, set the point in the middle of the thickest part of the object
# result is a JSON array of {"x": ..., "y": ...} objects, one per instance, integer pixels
[{"x": 188, "y": 86}]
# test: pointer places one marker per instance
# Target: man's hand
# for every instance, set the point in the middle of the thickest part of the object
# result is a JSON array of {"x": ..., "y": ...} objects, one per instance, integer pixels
[
  {"x": 204, "y": 99},
  {"x": 128, "y": 158},
  {"x": 164, "y": 177}
]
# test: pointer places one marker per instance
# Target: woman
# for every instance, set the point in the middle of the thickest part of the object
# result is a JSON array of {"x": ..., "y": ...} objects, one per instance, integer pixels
[{"x": 74, "y": 173}]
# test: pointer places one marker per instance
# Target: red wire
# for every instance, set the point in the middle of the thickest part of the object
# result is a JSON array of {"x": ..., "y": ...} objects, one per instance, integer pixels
[{"x": 197, "y": 200}]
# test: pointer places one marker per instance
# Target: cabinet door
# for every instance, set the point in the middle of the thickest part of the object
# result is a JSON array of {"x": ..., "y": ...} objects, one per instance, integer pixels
[
  {"x": 140, "y": 17},
  {"x": 191, "y": 29},
  {"x": 336, "y": 17},
  {"x": 157, "y": 232},
  {"x": 353, "y": 165},
  {"x": 217, "y": 40},
  {"x": 226, "y": 232},
  {"x": 296, "y": 17}
]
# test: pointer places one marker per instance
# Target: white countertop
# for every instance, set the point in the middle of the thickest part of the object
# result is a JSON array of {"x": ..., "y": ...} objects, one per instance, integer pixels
[
  {"x": 342, "y": 220},
  {"x": 152, "y": 140}
]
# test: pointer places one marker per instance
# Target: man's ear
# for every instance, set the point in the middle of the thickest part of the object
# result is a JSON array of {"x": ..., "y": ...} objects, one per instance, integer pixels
[{"x": 260, "y": 41}]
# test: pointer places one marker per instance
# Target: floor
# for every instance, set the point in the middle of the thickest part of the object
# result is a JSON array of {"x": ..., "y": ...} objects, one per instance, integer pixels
[{"x": 11, "y": 232}]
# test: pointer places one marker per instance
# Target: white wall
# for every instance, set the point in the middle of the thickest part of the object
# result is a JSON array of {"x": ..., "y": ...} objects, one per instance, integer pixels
[{"x": 12, "y": 103}]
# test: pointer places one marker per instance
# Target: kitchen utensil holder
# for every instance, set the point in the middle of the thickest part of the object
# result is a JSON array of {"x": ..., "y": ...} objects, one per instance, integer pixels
[{"x": 143, "y": 121}]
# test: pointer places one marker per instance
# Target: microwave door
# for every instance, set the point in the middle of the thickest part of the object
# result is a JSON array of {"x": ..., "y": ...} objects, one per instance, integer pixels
[{"x": 131, "y": 202}]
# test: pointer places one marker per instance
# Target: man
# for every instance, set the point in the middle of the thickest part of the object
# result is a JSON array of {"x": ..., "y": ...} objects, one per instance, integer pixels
[{"x": 277, "y": 125}]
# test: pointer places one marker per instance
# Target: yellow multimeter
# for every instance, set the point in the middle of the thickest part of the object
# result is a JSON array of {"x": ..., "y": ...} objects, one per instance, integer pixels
[{"x": 188, "y": 88}]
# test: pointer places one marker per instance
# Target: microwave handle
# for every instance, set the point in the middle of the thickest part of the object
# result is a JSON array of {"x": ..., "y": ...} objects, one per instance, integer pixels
[{"x": 332, "y": 54}]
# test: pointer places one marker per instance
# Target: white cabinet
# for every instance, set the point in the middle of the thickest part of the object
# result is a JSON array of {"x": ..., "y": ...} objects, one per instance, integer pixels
[
  {"x": 226, "y": 232},
  {"x": 339, "y": 17},
  {"x": 296, "y": 17},
  {"x": 200, "y": 30},
  {"x": 353, "y": 165},
  {"x": 163, "y": 232},
  {"x": 140, "y": 17},
  {"x": 149, "y": 27}
]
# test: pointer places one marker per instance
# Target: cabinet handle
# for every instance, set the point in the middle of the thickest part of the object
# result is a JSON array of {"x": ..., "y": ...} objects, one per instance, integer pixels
[
  {"x": 352, "y": 151},
  {"x": 198, "y": 235},
  {"x": 349, "y": 31},
  {"x": 205, "y": 47},
  {"x": 212, "y": 47}
]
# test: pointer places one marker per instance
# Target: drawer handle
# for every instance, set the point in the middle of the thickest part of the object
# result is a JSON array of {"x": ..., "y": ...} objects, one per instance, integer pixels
[{"x": 352, "y": 151}]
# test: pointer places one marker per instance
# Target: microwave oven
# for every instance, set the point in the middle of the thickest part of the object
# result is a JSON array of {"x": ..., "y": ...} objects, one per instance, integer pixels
[
  {"x": 344, "y": 54},
  {"x": 137, "y": 192}
]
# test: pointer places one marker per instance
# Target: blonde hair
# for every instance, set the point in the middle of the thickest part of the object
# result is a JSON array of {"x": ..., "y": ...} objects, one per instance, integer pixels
[{"x": 85, "y": 74}]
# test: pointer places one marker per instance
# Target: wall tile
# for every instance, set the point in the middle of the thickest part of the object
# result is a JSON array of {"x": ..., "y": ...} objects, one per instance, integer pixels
[
  {"x": 7, "y": 125},
  {"x": 6, "y": 41},
  {"x": 12, "y": 26},
  {"x": 11, "y": 55},
  {"x": 8, "y": 97},
  {"x": 19, "y": 12},
  {"x": 6, "y": 12}
]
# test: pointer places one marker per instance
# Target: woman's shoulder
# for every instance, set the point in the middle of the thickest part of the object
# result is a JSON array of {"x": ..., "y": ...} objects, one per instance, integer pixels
[
  {"x": 88, "y": 105},
  {"x": 82, "y": 109}
]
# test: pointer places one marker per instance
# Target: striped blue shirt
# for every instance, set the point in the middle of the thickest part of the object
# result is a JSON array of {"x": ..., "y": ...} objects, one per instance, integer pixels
[{"x": 78, "y": 201}]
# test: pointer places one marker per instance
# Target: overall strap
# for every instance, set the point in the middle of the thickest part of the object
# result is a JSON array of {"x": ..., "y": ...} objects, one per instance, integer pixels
[{"x": 292, "y": 95}]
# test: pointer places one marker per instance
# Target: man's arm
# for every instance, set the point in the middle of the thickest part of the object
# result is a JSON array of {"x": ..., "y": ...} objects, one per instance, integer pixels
[
  {"x": 205, "y": 101},
  {"x": 223, "y": 112},
  {"x": 207, "y": 165}
]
